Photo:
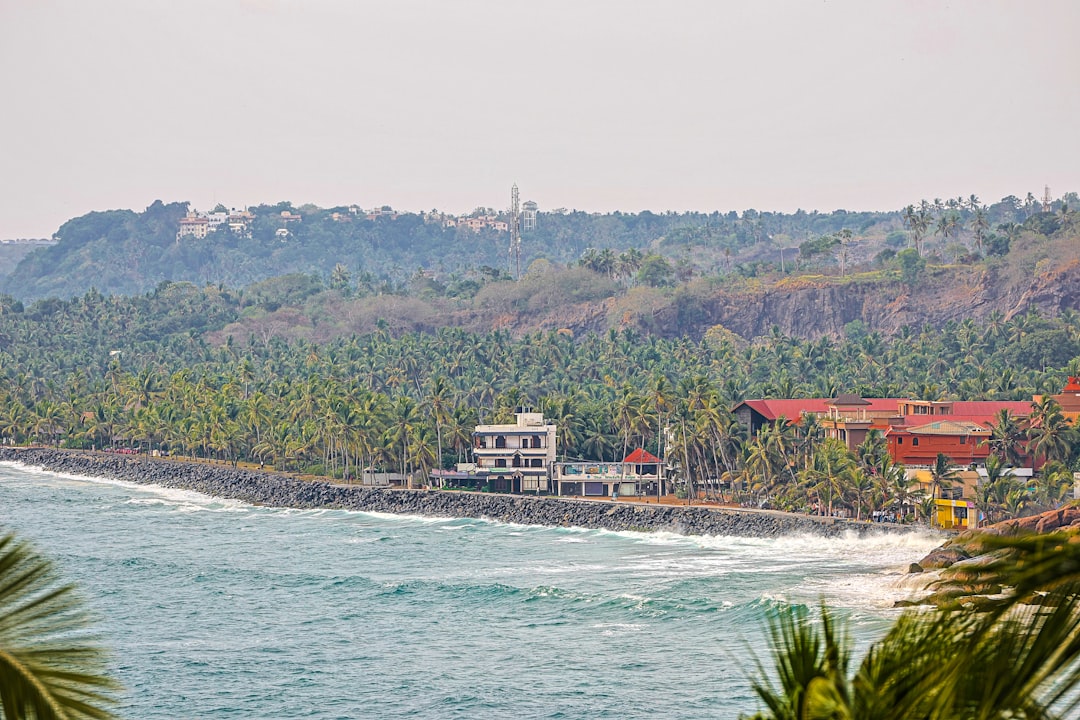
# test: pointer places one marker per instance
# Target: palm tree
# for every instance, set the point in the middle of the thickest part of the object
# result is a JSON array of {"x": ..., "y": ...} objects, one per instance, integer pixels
[
  {"x": 1001, "y": 659},
  {"x": 895, "y": 486},
  {"x": 942, "y": 475},
  {"x": 1051, "y": 435},
  {"x": 1053, "y": 485},
  {"x": 438, "y": 402},
  {"x": 49, "y": 668},
  {"x": 403, "y": 420},
  {"x": 992, "y": 495},
  {"x": 1007, "y": 438}
]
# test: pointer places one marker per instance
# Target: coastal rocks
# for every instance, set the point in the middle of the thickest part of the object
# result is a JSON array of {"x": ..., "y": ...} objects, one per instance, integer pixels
[
  {"x": 966, "y": 557},
  {"x": 943, "y": 557},
  {"x": 966, "y": 545},
  {"x": 266, "y": 488}
]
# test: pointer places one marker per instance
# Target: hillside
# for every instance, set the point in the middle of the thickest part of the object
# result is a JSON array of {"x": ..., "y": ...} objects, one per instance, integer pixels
[
  {"x": 130, "y": 253},
  {"x": 672, "y": 278},
  {"x": 581, "y": 301},
  {"x": 12, "y": 253}
]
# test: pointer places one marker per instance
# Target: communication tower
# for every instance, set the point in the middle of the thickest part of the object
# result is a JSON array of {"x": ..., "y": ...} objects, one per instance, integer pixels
[
  {"x": 1046, "y": 198},
  {"x": 515, "y": 232}
]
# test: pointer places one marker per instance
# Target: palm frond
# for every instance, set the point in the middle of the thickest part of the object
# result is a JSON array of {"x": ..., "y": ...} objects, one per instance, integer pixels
[{"x": 50, "y": 668}]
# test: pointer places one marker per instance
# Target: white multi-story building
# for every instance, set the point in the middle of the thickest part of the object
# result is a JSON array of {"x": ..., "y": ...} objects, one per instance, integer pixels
[{"x": 518, "y": 457}]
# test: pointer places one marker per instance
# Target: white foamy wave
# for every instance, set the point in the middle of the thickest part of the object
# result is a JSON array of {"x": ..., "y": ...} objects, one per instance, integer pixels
[
  {"x": 876, "y": 550},
  {"x": 454, "y": 528},
  {"x": 183, "y": 500},
  {"x": 616, "y": 628},
  {"x": 652, "y": 537},
  {"x": 879, "y": 591},
  {"x": 411, "y": 519}
]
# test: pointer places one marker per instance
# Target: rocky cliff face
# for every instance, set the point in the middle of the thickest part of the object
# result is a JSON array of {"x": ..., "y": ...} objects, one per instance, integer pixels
[
  {"x": 821, "y": 308},
  {"x": 824, "y": 309}
]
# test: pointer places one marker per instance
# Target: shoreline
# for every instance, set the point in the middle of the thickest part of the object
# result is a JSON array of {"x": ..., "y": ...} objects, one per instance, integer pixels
[{"x": 272, "y": 489}]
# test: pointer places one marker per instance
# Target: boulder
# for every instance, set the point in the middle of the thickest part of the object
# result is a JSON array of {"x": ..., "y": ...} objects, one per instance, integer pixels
[{"x": 943, "y": 557}]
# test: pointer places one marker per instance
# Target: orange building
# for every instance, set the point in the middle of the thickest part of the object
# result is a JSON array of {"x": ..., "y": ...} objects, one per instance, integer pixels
[
  {"x": 960, "y": 440},
  {"x": 915, "y": 430},
  {"x": 1068, "y": 399}
]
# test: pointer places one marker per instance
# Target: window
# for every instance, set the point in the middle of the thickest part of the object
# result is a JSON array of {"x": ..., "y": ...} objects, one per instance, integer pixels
[
  {"x": 899, "y": 441},
  {"x": 500, "y": 462},
  {"x": 500, "y": 442},
  {"x": 537, "y": 462},
  {"x": 915, "y": 441},
  {"x": 536, "y": 442}
]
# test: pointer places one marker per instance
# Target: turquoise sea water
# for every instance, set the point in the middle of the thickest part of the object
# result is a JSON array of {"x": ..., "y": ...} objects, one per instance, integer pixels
[{"x": 214, "y": 608}]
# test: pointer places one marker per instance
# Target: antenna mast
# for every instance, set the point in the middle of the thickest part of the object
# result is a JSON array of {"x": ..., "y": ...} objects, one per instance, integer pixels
[{"x": 515, "y": 232}]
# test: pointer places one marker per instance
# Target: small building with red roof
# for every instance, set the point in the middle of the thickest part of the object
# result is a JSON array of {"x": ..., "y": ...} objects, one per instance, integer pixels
[{"x": 640, "y": 473}]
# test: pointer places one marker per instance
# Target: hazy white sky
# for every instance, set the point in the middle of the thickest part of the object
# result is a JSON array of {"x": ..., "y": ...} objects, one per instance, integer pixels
[{"x": 596, "y": 105}]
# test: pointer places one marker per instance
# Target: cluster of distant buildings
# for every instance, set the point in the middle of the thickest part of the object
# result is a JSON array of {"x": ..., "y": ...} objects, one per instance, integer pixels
[
  {"x": 198, "y": 224},
  {"x": 479, "y": 221}
]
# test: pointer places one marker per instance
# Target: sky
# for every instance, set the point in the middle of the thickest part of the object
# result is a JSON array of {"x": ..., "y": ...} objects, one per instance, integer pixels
[{"x": 597, "y": 105}]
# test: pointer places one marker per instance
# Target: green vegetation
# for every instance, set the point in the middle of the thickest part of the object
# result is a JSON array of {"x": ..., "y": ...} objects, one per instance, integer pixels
[
  {"x": 124, "y": 252},
  {"x": 101, "y": 372},
  {"x": 1010, "y": 657},
  {"x": 50, "y": 669}
]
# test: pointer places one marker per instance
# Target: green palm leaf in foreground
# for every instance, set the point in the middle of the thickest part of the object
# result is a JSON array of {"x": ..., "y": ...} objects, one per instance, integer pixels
[
  {"x": 50, "y": 669},
  {"x": 1013, "y": 656}
]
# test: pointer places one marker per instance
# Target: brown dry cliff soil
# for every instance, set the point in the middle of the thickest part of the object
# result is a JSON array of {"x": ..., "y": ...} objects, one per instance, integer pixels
[{"x": 823, "y": 306}]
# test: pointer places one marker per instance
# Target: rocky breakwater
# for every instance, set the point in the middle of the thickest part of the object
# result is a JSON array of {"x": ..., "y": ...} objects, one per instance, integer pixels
[{"x": 266, "y": 488}]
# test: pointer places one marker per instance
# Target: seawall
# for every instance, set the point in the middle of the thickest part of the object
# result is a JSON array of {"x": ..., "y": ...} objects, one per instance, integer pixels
[{"x": 266, "y": 488}]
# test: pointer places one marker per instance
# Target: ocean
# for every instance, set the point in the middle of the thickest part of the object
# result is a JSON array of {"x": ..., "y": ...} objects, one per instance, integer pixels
[{"x": 216, "y": 609}]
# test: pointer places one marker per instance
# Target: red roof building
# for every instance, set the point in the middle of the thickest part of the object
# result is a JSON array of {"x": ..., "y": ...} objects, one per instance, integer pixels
[{"x": 916, "y": 430}]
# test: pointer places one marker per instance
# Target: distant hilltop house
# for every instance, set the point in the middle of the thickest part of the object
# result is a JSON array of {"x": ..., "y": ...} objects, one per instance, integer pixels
[
  {"x": 382, "y": 212},
  {"x": 478, "y": 223},
  {"x": 200, "y": 224}
]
